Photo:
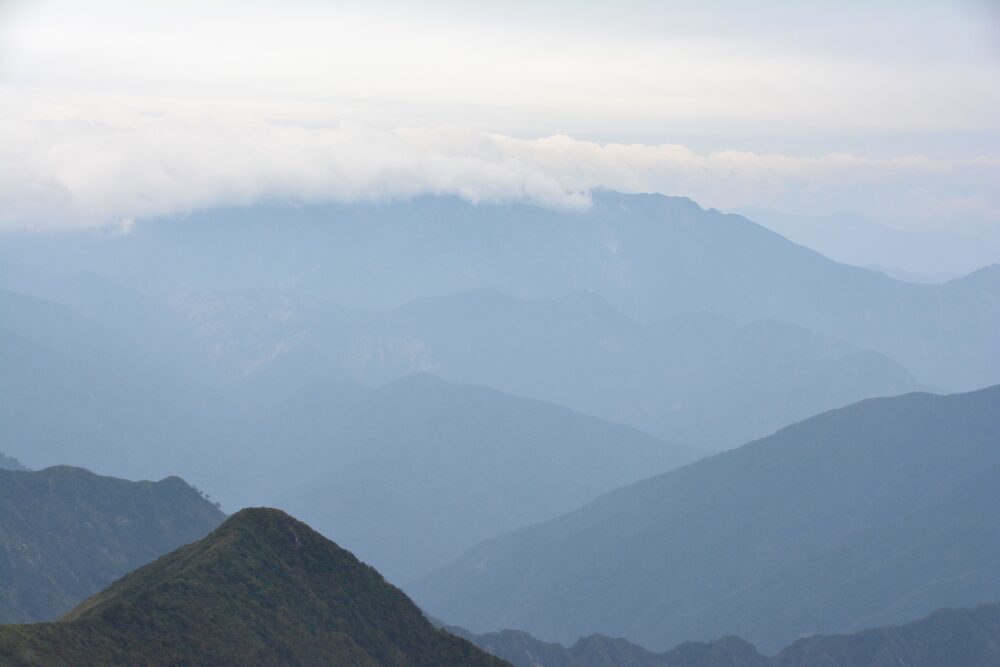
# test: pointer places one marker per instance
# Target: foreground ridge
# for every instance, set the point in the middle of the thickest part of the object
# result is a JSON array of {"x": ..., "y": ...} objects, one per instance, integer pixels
[{"x": 263, "y": 589}]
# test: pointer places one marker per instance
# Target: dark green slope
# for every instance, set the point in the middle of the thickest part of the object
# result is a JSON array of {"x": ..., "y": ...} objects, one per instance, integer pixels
[
  {"x": 65, "y": 533},
  {"x": 263, "y": 589},
  {"x": 946, "y": 638},
  {"x": 870, "y": 515}
]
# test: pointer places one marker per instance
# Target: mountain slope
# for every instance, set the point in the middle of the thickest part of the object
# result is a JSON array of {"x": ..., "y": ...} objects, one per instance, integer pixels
[
  {"x": 954, "y": 637},
  {"x": 649, "y": 255},
  {"x": 75, "y": 392},
  {"x": 855, "y": 239},
  {"x": 263, "y": 589},
  {"x": 65, "y": 533},
  {"x": 872, "y": 514},
  {"x": 9, "y": 463},
  {"x": 420, "y": 470},
  {"x": 671, "y": 378}
]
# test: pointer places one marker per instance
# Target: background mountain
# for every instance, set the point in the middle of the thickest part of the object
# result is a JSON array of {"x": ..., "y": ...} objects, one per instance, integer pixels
[
  {"x": 9, "y": 463},
  {"x": 967, "y": 637},
  {"x": 648, "y": 255},
  {"x": 416, "y": 472},
  {"x": 436, "y": 467},
  {"x": 861, "y": 241},
  {"x": 65, "y": 533},
  {"x": 876, "y": 513},
  {"x": 76, "y": 392},
  {"x": 262, "y": 589},
  {"x": 912, "y": 276},
  {"x": 670, "y": 378}
]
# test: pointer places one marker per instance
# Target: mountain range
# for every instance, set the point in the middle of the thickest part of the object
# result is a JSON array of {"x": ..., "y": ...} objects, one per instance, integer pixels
[
  {"x": 670, "y": 378},
  {"x": 872, "y": 514},
  {"x": 650, "y": 256},
  {"x": 262, "y": 589},
  {"x": 416, "y": 472},
  {"x": 118, "y": 408},
  {"x": 9, "y": 463},
  {"x": 966, "y": 637},
  {"x": 861, "y": 241},
  {"x": 66, "y": 533}
]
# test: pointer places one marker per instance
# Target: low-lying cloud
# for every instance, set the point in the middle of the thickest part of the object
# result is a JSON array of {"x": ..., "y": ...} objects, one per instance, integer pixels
[{"x": 68, "y": 165}]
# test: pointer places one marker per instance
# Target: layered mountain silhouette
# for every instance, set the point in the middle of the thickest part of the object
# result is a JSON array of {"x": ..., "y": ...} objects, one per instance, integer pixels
[
  {"x": 74, "y": 391},
  {"x": 649, "y": 255},
  {"x": 955, "y": 637},
  {"x": 861, "y": 241},
  {"x": 9, "y": 463},
  {"x": 66, "y": 533},
  {"x": 872, "y": 514},
  {"x": 263, "y": 589},
  {"x": 416, "y": 472},
  {"x": 671, "y": 378}
]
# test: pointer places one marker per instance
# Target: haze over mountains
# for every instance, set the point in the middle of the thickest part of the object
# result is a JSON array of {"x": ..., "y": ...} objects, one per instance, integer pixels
[
  {"x": 669, "y": 378},
  {"x": 438, "y": 467},
  {"x": 418, "y": 378},
  {"x": 873, "y": 514},
  {"x": 9, "y": 463},
  {"x": 855, "y": 239},
  {"x": 119, "y": 408},
  {"x": 650, "y": 256},
  {"x": 479, "y": 462},
  {"x": 464, "y": 288}
]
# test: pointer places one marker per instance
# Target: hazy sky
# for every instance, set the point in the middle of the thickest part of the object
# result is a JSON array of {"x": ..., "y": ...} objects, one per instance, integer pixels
[{"x": 116, "y": 110}]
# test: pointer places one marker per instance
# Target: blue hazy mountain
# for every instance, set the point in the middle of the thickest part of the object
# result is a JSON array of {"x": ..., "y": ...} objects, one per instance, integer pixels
[
  {"x": 872, "y": 514},
  {"x": 967, "y": 637},
  {"x": 146, "y": 321},
  {"x": 9, "y": 463},
  {"x": 861, "y": 241},
  {"x": 66, "y": 533},
  {"x": 648, "y": 255},
  {"x": 416, "y": 472},
  {"x": 670, "y": 378},
  {"x": 76, "y": 392}
]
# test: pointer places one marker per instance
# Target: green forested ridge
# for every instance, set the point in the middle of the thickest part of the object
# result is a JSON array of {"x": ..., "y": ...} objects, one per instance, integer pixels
[
  {"x": 946, "y": 638},
  {"x": 65, "y": 533},
  {"x": 262, "y": 589}
]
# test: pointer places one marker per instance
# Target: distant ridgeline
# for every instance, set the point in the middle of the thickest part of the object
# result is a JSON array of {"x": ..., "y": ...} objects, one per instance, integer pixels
[
  {"x": 65, "y": 533},
  {"x": 263, "y": 589},
  {"x": 9, "y": 463},
  {"x": 871, "y": 515},
  {"x": 946, "y": 638}
]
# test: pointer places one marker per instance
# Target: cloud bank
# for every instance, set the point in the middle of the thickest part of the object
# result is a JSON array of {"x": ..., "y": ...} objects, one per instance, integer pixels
[{"x": 79, "y": 165}]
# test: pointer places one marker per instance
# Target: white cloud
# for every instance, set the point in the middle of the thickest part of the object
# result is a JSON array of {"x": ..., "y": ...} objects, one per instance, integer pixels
[{"x": 84, "y": 163}]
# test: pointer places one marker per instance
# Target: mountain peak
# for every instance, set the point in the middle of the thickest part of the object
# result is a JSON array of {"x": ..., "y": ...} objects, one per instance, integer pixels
[{"x": 262, "y": 589}]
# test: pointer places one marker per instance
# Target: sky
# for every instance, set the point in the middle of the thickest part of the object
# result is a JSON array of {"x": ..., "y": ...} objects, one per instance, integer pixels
[{"x": 115, "y": 111}]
